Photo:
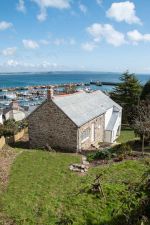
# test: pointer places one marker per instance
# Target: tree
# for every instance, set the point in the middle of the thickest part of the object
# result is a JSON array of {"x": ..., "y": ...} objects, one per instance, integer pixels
[
  {"x": 145, "y": 91},
  {"x": 127, "y": 93},
  {"x": 141, "y": 123}
]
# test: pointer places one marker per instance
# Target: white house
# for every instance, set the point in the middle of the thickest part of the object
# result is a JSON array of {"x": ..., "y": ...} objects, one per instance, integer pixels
[{"x": 14, "y": 111}]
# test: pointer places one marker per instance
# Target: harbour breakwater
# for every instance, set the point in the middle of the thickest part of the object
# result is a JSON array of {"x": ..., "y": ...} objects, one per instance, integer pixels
[{"x": 80, "y": 84}]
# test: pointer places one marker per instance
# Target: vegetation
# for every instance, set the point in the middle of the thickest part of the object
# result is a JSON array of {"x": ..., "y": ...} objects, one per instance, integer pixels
[
  {"x": 127, "y": 134},
  {"x": 141, "y": 122},
  {"x": 127, "y": 94},
  {"x": 42, "y": 190},
  {"x": 146, "y": 91},
  {"x": 11, "y": 127}
]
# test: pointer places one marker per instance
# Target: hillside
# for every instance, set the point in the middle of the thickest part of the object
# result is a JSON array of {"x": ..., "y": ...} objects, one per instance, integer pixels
[{"x": 42, "y": 190}]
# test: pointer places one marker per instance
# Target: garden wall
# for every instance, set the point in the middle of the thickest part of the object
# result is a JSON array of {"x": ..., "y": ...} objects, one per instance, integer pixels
[
  {"x": 16, "y": 137},
  {"x": 2, "y": 142}
]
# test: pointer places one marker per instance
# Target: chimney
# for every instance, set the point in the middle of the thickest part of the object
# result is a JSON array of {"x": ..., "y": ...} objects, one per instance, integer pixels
[
  {"x": 50, "y": 94},
  {"x": 14, "y": 105}
]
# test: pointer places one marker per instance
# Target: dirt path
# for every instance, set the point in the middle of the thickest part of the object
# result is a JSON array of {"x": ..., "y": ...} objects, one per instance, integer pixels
[{"x": 7, "y": 157}]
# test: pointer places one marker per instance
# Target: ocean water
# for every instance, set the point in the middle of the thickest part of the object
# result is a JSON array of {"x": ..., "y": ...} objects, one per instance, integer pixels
[{"x": 29, "y": 79}]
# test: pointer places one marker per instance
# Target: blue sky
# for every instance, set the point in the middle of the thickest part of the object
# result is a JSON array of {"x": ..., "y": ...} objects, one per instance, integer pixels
[{"x": 94, "y": 35}]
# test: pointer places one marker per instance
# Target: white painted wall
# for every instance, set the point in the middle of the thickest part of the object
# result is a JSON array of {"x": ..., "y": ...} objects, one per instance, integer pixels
[
  {"x": 110, "y": 136},
  {"x": 108, "y": 116},
  {"x": 1, "y": 119},
  {"x": 116, "y": 126},
  {"x": 15, "y": 114}
]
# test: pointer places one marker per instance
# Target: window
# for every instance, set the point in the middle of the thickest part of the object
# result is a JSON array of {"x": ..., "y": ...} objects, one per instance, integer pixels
[{"x": 85, "y": 134}]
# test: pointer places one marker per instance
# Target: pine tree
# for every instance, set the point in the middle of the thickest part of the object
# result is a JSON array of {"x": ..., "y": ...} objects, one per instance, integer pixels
[
  {"x": 127, "y": 94},
  {"x": 146, "y": 91}
]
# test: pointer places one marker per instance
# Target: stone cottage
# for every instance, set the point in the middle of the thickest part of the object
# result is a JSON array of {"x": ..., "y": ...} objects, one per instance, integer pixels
[{"x": 74, "y": 122}]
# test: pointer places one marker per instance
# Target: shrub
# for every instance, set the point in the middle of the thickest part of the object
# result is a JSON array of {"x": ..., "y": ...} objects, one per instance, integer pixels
[
  {"x": 125, "y": 149},
  {"x": 120, "y": 151},
  {"x": 103, "y": 154},
  {"x": 11, "y": 127}
]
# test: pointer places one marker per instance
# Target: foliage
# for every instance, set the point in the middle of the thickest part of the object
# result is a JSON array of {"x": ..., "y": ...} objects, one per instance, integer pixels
[
  {"x": 102, "y": 154},
  {"x": 11, "y": 127},
  {"x": 145, "y": 91},
  {"x": 118, "y": 151},
  {"x": 135, "y": 213},
  {"x": 141, "y": 121},
  {"x": 42, "y": 190},
  {"x": 127, "y": 93}
]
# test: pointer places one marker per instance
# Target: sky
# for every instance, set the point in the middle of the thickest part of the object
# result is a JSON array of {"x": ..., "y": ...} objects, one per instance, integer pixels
[{"x": 64, "y": 35}]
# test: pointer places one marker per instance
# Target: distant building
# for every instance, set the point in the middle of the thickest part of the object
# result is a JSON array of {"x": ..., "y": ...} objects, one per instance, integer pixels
[
  {"x": 75, "y": 122},
  {"x": 14, "y": 111}
]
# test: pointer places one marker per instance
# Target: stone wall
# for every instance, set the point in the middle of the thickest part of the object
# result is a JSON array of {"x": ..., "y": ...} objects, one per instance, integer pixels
[
  {"x": 2, "y": 142},
  {"x": 19, "y": 135},
  {"x": 99, "y": 129},
  {"x": 49, "y": 126}
]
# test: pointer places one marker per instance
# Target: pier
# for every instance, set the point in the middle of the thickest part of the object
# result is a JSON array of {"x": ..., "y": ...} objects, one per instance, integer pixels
[{"x": 96, "y": 83}]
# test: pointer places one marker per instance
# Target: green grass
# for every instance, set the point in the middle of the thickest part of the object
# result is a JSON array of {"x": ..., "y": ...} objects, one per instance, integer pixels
[
  {"x": 43, "y": 191},
  {"x": 126, "y": 135}
]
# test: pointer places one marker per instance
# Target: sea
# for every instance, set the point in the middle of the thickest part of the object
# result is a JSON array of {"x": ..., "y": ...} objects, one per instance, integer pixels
[{"x": 8, "y": 80}]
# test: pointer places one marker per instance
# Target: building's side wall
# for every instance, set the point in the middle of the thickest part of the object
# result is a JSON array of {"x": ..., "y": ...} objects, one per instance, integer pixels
[
  {"x": 15, "y": 114},
  {"x": 18, "y": 115},
  {"x": 117, "y": 128},
  {"x": 99, "y": 128},
  {"x": 48, "y": 125},
  {"x": 108, "y": 115},
  {"x": 1, "y": 119}
]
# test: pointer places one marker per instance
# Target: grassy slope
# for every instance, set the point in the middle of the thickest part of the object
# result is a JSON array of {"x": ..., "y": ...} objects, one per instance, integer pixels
[
  {"x": 126, "y": 135},
  {"x": 42, "y": 190}
]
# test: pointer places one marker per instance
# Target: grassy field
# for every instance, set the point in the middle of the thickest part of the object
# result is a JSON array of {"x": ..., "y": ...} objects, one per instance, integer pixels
[
  {"x": 126, "y": 135},
  {"x": 43, "y": 191}
]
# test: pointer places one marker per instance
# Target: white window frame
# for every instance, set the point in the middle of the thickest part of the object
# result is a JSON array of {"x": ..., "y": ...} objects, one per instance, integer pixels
[{"x": 87, "y": 136}]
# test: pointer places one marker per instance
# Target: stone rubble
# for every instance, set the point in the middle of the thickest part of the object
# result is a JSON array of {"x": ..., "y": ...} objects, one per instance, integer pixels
[{"x": 82, "y": 168}]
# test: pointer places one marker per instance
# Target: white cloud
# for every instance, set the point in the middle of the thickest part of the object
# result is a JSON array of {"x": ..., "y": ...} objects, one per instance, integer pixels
[
  {"x": 44, "y": 4},
  {"x": 106, "y": 32},
  {"x": 12, "y": 63},
  {"x": 123, "y": 11},
  {"x": 135, "y": 36},
  {"x": 9, "y": 51},
  {"x": 43, "y": 15},
  {"x": 59, "y": 41},
  {"x": 30, "y": 44},
  {"x": 21, "y": 6},
  {"x": 5, "y": 25},
  {"x": 99, "y": 2},
  {"x": 88, "y": 46},
  {"x": 44, "y": 42},
  {"x": 83, "y": 8}
]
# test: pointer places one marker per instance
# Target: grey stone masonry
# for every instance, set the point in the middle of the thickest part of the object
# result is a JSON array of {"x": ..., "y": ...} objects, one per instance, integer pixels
[
  {"x": 98, "y": 133},
  {"x": 49, "y": 126}
]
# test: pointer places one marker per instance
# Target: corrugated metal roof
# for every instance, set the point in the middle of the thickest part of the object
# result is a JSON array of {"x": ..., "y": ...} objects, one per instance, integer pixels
[
  {"x": 83, "y": 107},
  {"x": 112, "y": 121}
]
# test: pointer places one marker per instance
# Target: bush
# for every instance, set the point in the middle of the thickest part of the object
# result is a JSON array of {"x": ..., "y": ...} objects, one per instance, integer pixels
[
  {"x": 124, "y": 149},
  {"x": 11, "y": 127},
  {"x": 119, "y": 151},
  {"x": 103, "y": 154}
]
